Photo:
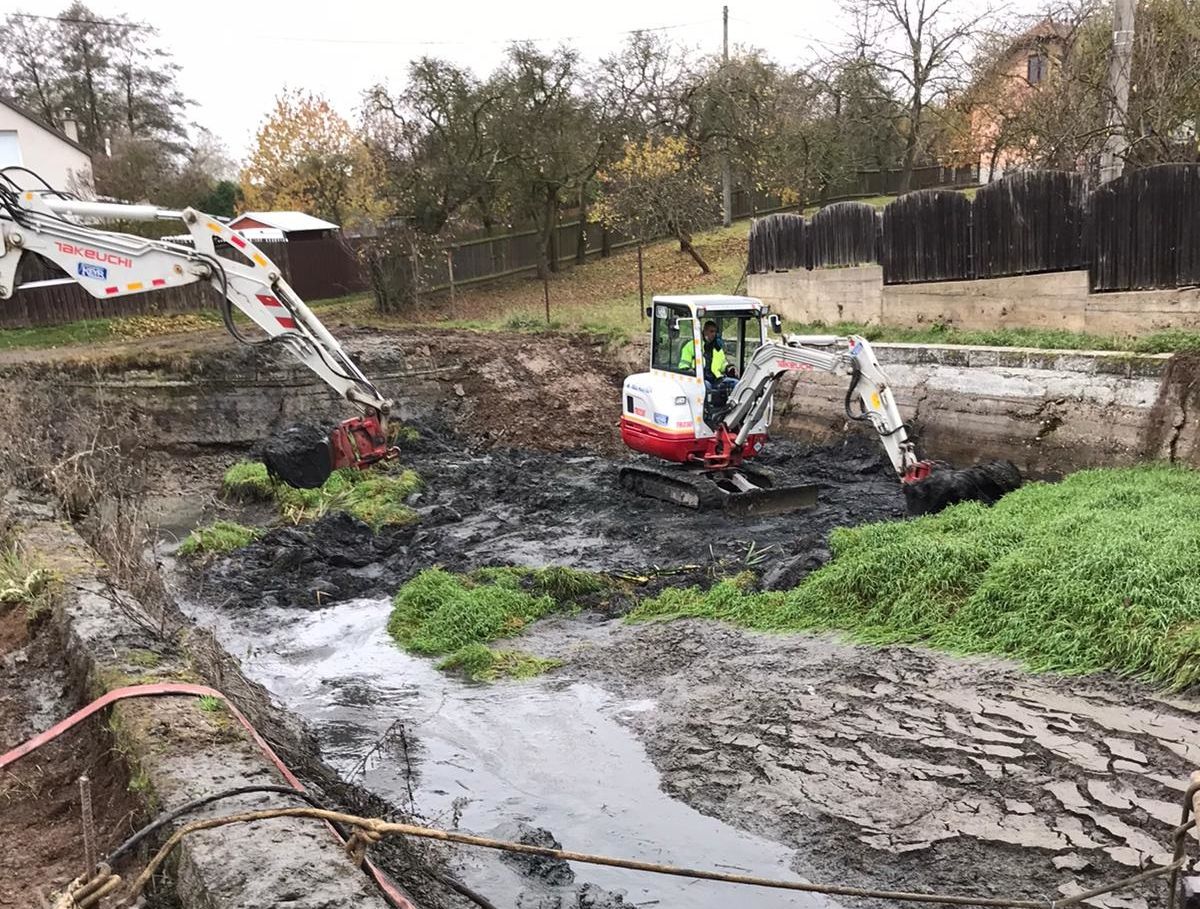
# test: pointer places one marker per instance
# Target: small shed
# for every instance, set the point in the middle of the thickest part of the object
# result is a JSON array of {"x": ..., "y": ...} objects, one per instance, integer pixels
[{"x": 289, "y": 225}]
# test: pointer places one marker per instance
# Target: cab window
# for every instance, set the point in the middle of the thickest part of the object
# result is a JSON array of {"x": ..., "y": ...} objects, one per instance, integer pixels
[{"x": 673, "y": 330}]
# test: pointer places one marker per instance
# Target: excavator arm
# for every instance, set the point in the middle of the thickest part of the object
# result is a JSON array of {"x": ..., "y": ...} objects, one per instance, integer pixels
[
  {"x": 868, "y": 391},
  {"x": 110, "y": 265}
]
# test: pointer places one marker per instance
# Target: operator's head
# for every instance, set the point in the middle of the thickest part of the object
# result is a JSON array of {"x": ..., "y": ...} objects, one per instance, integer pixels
[{"x": 710, "y": 330}]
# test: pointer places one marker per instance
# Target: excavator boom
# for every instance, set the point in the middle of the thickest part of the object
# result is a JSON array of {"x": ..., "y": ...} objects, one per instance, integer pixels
[{"x": 110, "y": 265}]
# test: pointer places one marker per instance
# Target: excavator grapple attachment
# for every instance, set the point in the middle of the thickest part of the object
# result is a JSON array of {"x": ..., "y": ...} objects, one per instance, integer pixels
[{"x": 304, "y": 456}]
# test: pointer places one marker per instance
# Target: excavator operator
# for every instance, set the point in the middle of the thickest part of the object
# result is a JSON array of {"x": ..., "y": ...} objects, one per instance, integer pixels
[{"x": 715, "y": 369}]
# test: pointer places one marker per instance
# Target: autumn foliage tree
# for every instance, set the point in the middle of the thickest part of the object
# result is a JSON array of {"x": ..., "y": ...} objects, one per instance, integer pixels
[
  {"x": 306, "y": 157},
  {"x": 656, "y": 189}
]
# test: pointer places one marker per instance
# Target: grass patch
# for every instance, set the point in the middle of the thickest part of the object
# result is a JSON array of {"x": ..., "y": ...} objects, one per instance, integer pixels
[
  {"x": 439, "y": 613},
  {"x": 1094, "y": 573},
  {"x": 218, "y": 538},
  {"x": 481, "y": 663},
  {"x": 375, "y": 497},
  {"x": 1044, "y": 338},
  {"x": 81, "y": 332},
  {"x": 23, "y": 583},
  {"x": 248, "y": 481},
  {"x": 209, "y": 703},
  {"x": 147, "y": 659}
]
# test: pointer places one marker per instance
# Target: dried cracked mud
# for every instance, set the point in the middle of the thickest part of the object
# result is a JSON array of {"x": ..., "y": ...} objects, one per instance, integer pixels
[{"x": 900, "y": 767}]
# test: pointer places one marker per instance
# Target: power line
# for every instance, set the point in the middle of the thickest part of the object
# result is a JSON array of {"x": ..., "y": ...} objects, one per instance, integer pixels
[
  {"x": 467, "y": 42},
  {"x": 73, "y": 20}
]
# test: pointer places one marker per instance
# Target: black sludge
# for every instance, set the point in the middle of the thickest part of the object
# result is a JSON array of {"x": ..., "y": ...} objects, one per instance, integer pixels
[
  {"x": 947, "y": 486},
  {"x": 299, "y": 456}
]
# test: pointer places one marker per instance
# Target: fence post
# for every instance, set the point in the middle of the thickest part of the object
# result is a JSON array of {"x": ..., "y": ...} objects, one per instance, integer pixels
[
  {"x": 546, "y": 293},
  {"x": 450, "y": 271},
  {"x": 415, "y": 273},
  {"x": 641, "y": 285}
]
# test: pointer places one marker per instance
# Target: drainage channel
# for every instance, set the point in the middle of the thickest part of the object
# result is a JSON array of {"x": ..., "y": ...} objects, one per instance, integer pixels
[{"x": 547, "y": 752}]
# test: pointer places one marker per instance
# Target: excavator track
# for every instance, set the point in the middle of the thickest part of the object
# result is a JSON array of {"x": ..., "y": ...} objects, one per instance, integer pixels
[{"x": 744, "y": 492}]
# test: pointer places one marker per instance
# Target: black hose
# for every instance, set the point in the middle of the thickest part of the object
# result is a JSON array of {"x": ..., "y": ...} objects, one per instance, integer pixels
[{"x": 164, "y": 819}]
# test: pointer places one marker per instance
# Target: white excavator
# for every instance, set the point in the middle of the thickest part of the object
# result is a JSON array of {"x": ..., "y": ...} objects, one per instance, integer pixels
[
  {"x": 710, "y": 425},
  {"x": 110, "y": 265}
]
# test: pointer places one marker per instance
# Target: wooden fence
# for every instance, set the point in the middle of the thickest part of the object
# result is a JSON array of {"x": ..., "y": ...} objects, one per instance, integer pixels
[
  {"x": 927, "y": 237},
  {"x": 845, "y": 233},
  {"x": 1139, "y": 232},
  {"x": 1145, "y": 229},
  {"x": 1029, "y": 222},
  {"x": 778, "y": 243}
]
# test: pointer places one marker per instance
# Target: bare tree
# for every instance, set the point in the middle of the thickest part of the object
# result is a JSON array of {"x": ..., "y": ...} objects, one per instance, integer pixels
[{"x": 919, "y": 47}]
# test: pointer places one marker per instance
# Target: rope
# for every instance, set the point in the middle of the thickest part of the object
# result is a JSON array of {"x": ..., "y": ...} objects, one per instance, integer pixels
[{"x": 371, "y": 830}]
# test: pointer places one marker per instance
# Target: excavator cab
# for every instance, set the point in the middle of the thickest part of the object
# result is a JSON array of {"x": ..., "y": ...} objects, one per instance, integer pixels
[{"x": 672, "y": 413}]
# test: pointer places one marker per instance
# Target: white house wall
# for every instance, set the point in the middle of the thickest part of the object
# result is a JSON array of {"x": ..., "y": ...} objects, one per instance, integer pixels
[{"x": 43, "y": 151}]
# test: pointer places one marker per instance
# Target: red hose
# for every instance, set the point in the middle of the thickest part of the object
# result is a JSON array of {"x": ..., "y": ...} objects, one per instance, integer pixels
[{"x": 160, "y": 688}]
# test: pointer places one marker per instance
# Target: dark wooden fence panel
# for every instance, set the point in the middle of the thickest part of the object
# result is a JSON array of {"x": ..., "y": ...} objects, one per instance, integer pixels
[
  {"x": 1145, "y": 229},
  {"x": 324, "y": 268},
  {"x": 778, "y": 243},
  {"x": 1031, "y": 221},
  {"x": 927, "y": 237},
  {"x": 845, "y": 233}
]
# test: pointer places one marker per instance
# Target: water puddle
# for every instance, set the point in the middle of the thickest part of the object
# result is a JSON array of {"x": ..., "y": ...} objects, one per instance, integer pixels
[{"x": 549, "y": 752}]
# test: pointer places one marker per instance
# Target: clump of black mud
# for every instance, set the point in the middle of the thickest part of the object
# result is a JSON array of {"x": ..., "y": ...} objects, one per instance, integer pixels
[
  {"x": 947, "y": 486},
  {"x": 514, "y": 506}
]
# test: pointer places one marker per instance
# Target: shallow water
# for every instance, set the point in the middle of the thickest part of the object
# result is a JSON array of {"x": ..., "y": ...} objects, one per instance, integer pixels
[{"x": 552, "y": 753}]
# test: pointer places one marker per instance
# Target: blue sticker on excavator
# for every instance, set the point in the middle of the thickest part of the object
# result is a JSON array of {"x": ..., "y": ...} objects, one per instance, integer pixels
[{"x": 99, "y": 272}]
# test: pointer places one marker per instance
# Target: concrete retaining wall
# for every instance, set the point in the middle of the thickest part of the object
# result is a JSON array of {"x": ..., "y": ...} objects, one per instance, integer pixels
[
  {"x": 181, "y": 752},
  {"x": 1048, "y": 411},
  {"x": 1057, "y": 300}
]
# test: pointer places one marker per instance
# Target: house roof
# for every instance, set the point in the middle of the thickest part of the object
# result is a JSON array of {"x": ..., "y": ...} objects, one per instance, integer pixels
[
  {"x": 38, "y": 121},
  {"x": 1046, "y": 30},
  {"x": 286, "y": 221}
]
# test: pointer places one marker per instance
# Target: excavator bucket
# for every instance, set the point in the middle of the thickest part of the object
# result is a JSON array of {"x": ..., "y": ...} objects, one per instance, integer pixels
[{"x": 304, "y": 455}]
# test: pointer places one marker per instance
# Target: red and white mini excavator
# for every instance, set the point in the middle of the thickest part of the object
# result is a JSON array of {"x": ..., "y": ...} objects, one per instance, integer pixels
[
  {"x": 710, "y": 425},
  {"x": 110, "y": 265}
]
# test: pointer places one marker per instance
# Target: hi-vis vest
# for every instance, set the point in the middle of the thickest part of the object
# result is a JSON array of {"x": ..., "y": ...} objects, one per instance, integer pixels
[{"x": 687, "y": 359}]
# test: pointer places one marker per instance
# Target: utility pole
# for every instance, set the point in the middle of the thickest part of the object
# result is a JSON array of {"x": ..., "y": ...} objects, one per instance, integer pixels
[
  {"x": 1119, "y": 65},
  {"x": 726, "y": 177}
]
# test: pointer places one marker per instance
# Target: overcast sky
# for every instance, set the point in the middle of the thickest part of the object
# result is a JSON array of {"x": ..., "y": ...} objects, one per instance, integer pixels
[{"x": 237, "y": 56}]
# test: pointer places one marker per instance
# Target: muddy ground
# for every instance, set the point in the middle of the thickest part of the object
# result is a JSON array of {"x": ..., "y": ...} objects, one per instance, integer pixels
[
  {"x": 511, "y": 506},
  {"x": 893, "y": 767}
]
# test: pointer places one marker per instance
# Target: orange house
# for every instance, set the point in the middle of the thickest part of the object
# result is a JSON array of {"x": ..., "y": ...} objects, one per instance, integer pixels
[{"x": 1009, "y": 82}]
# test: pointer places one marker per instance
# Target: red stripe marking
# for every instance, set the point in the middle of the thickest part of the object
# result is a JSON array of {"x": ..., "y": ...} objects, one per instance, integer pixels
[
  {"x": 286, "y": 321},
  {"x": 267, "y": 300},
  {"x": 237, "y": 241},
  {"x": 111, "y": 290},
  {"x": 158, "y": 282}
]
